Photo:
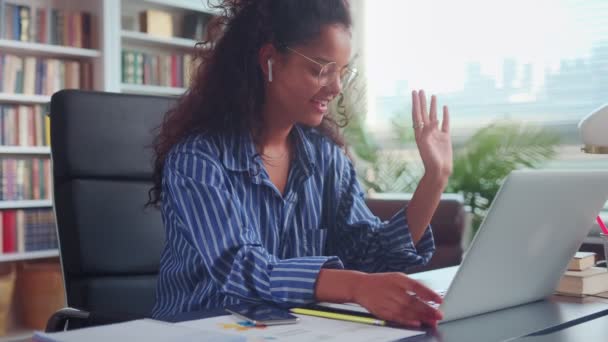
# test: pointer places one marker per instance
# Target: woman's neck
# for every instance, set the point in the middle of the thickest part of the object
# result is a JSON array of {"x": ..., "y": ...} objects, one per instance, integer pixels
[{"x": 273, "y": 139}]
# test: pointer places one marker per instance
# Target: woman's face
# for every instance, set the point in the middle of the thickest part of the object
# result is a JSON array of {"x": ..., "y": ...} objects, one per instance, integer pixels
[{"x": 295, "y": 88}]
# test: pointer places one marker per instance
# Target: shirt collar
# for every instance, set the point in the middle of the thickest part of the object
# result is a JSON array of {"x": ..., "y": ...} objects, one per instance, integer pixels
[{"x": 239, "y": 152}]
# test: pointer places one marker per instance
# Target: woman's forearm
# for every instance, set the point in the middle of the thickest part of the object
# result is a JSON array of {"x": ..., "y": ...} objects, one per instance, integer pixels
[{"x": 424, "y": 202}]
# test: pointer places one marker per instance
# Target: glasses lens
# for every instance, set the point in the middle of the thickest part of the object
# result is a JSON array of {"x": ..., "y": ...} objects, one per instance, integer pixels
[
  {"x": 327, "y": 74},
  {"x": 347, "y": 77},
  {"x": 330, "y": 71}
]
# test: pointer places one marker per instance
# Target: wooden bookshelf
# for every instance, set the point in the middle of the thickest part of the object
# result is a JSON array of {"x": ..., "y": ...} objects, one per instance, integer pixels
[
  {"x": 110, "y": 39},
  {"x": 17, "y": 331}
]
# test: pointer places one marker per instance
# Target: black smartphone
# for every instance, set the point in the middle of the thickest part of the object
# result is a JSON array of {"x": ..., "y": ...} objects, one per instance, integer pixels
[{"x": 262, "y": 314}]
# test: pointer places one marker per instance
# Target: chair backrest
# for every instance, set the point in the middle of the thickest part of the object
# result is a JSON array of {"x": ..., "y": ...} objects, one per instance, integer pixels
[{"x": 102, "y": 171}]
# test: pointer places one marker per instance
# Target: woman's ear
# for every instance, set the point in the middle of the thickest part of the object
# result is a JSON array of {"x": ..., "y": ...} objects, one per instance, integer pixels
[{"x": 266, "y": 60}]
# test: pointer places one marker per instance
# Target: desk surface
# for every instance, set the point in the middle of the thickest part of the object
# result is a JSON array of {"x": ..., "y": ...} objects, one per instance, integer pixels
[
  {"x": 512, "y": 323},
  {"x": 593, "y": 330}
]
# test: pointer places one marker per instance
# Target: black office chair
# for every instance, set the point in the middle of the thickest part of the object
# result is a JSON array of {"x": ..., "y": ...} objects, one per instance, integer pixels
[{"x": 102, "y": 166}]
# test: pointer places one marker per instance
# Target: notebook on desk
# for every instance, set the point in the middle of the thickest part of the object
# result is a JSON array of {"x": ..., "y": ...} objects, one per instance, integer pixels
[{"x": 534, "y": 226}]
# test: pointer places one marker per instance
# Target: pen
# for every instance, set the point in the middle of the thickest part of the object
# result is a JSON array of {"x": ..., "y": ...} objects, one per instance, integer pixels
[
  {"x": 338, "y": 316},
  {"x": 602, "y": 225}
]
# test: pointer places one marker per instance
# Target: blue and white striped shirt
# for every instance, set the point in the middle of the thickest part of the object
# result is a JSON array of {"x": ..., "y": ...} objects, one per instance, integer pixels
[{"x": 231, "y": 235}]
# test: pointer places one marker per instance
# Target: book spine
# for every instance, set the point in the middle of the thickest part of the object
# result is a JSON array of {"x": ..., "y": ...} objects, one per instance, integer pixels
[
  {"x": 24, "y": 24},
  {"x": 23, "y": 115},
  {"x": 39, "y": 125},
  {"x": 19, "y": 76},
  {"x": 16, "y": 24},
  {"x": 9, "y": 231}
]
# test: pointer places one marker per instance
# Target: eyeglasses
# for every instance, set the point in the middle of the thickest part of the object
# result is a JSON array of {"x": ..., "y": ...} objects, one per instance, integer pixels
[{"x": 330, "y": 70}]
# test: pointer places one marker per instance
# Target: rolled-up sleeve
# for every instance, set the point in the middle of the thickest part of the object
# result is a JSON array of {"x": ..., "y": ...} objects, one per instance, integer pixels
[
  {"x": 212, "y": 219},
  {"x": 364, "y": 242}
]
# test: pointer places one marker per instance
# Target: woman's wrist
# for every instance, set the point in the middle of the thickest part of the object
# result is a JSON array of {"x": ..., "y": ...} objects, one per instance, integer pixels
[
  {"x": 339, "y": 286},
  {"x": 436, "y": 178}
]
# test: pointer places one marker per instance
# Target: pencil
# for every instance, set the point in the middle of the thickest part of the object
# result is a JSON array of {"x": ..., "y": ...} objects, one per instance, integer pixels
[{"x": 338, "y": 316}]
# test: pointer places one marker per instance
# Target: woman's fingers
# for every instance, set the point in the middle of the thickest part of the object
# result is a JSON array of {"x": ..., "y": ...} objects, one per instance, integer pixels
[
  {"x": 445, "y": 125},
  {"x": 433, "y": 114},
  {"x": 413, "y": 306},
  {"x": 417, "y": 288},
  {"x": 416, "y": 114},
  {"x": 423, "y": 110}
]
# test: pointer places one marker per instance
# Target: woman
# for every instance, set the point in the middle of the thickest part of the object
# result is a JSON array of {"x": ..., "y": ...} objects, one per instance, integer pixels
[{"x": 258, "y": 198}]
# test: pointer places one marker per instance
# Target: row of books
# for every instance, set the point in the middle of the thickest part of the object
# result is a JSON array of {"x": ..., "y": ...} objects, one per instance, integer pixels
[
  {"x": 153, "y": 69},
  {"x": 27, "y": 230},
  {"x": 24, "y": 125},
  {"x": 583, "y": 277},
  {"x": 45, "y": 25},
  {"x": 25, "y": 179},
  {"x": 42, "y": 76}
]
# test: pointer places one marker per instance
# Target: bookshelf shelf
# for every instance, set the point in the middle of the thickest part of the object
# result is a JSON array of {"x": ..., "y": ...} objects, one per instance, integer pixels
[
  {"x": 150, "y": 40},
  {"x": 192, "y": 5},
  {"x": 41, "y": 150},
  {"x": 51, "y": 253},
  {"x": 24, "y": 98},
  {"x": 39, "y": 49},
  {"x": 151, "y": 89},
  {"x": 25, "y": 204}
]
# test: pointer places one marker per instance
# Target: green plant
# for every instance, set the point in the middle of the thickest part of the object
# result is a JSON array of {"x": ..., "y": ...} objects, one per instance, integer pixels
[{"x": 483, "y": 162}]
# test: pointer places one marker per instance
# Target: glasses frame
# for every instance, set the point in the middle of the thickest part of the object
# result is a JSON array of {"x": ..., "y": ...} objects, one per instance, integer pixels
[{"x": 353, "y": 72}]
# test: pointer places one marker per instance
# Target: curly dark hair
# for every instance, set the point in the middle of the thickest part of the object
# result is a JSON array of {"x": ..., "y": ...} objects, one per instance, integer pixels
[{"x": 227, "y": 88}]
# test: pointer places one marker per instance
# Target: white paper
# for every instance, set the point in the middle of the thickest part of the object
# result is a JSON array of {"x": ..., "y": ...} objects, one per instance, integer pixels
[
  {"x": 138, "y": 330},
  {"x": 308, "y": 329}
]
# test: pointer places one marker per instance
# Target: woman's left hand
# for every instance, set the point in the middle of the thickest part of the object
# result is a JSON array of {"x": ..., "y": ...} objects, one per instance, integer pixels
[{"x": 433, "y": 141}]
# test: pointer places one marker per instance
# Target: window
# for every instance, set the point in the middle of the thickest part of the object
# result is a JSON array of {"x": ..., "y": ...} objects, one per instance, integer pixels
[{"x": 541, "y": 62}]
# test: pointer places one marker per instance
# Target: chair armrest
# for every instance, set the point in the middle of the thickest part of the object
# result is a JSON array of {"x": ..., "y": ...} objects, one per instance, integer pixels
[
  {"x": 58, "y": 321},
  {"x": 71, "y": 318}
]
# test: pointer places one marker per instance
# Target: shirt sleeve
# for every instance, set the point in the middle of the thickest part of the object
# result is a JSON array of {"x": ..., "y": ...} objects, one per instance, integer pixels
[
  {"x": 232, "y": 252},
  {"x": 363, "y": 241}
]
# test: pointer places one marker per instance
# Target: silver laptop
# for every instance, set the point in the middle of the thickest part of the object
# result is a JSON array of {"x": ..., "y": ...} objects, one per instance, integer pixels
[{"x": 536, "y": 223}]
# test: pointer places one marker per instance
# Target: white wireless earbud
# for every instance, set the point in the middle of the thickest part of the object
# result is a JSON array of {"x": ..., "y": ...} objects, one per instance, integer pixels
[{"x": 270, "y": 70}]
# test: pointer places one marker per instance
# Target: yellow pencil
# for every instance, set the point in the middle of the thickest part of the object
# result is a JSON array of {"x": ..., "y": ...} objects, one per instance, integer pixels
[{"x": 342, "y": 317}]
